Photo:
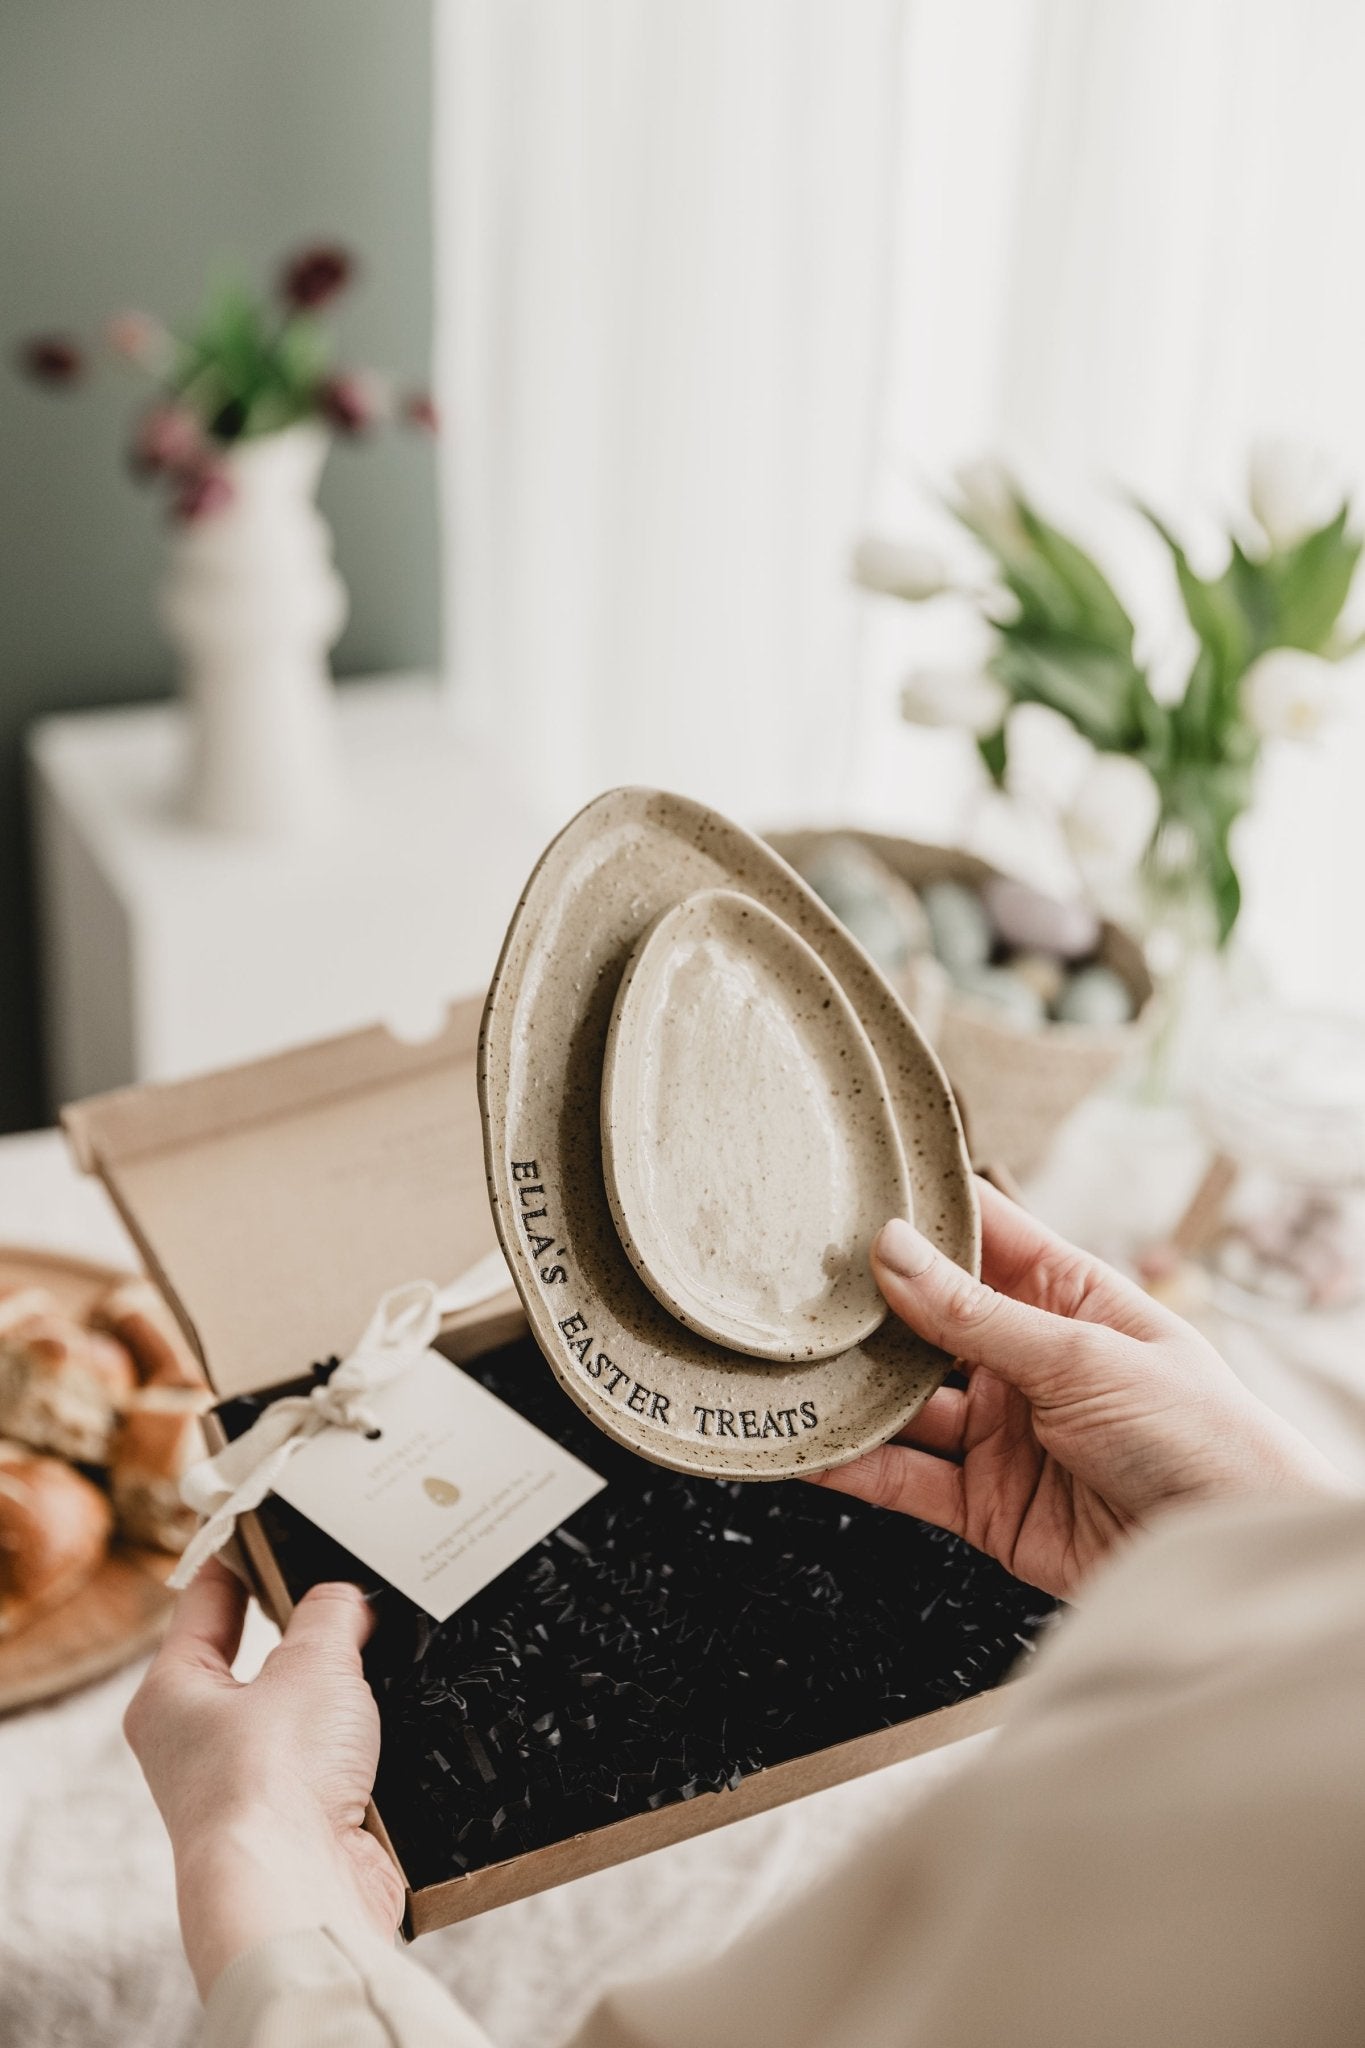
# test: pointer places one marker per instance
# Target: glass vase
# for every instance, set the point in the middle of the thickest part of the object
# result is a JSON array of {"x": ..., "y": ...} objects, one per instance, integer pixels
[{"x": 1193, "y": 975}]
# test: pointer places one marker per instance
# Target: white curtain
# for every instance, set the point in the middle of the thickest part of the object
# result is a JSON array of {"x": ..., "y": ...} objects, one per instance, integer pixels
[
  {"x": 664, "y": 242},
  {"x": 722, "y": 281}
]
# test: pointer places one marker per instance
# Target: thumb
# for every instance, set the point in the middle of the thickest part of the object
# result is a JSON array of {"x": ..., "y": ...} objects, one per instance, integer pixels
[
  {"x": 1027, "y": 1346},
  {"x": 206, "y": 1623},
  {"x": 333, "y": 1619}
]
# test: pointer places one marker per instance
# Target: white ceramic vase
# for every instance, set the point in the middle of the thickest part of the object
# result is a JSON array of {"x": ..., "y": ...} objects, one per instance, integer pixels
[{"x": 252, "y": 602}]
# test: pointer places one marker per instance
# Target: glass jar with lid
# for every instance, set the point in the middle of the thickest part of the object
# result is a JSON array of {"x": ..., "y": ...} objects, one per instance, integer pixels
[{"x": 1281, "y": 1096}]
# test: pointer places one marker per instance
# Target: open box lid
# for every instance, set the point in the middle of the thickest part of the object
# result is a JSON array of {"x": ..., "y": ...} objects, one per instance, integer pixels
[{"x": 275, "y": 1202}]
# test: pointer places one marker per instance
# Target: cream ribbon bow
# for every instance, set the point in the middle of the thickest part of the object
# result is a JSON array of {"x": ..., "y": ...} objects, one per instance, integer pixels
[{"x": 397, "y": 1336}]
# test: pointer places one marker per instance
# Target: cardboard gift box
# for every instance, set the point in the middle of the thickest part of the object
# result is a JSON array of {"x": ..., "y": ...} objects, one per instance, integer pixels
[{"x": 682, "y": 1654}]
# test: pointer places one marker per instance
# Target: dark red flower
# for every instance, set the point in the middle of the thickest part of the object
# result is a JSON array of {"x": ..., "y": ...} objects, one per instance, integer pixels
[
  {"x": 202, "y": 493},
  {"x": 316, "y": 275},
  {"x": 420, "y": 410},
  {"x": 167, "y": 441},
  {"x": 352, "y": 401},
  {"x": 52, "y": 359}
]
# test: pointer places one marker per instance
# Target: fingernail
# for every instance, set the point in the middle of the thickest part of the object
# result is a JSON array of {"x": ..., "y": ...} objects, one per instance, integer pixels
[{"x": 900, "y": 1246}]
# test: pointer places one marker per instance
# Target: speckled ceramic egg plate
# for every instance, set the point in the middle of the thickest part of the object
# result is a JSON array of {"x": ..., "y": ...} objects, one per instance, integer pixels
[
  {"x": 749, "y": 1144},
  {"x": 667, "y": 1390}
]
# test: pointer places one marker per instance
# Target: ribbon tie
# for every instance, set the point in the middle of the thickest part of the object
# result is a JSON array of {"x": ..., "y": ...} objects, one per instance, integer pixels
[{"x": 397, "y": 1336}]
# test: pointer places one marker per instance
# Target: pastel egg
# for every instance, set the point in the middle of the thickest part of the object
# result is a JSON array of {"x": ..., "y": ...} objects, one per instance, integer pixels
[
  {"x": 1095, "y": 996},
  {"x": 1043, "y": 972},
  {"x": 958, "y": 924},
  {"x": 880, "y": 909},
  {"x": 1006, "y": 992},
  {"x": 1032, "y": 922}
]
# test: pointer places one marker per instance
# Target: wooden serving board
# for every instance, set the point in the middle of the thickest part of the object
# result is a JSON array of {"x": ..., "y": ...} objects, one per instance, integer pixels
[{"x": 119, "y": 1614}]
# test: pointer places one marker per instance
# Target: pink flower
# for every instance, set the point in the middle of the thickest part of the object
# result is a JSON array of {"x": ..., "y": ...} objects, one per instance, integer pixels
[
  {"x": 315, "y": 276},
  {"x": 167, "y": 441},
  {"x": 353, "y": 401},
  {"x": 52, "y": 359},
  {"x": 202, "y": 493},
  {"x": 420, "y": 410},
  {"x": 140, "y": 338}
]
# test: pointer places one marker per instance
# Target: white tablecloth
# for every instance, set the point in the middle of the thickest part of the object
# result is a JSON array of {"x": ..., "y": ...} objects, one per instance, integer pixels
[{"x": 88, "y": 1947}]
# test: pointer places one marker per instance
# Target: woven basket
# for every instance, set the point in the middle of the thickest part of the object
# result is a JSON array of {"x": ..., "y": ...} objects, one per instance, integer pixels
[{"x": 1015, "y": 1087}]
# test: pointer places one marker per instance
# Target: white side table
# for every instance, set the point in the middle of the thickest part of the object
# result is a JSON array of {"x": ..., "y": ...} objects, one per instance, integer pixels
[{"x": 167, "y": 950}]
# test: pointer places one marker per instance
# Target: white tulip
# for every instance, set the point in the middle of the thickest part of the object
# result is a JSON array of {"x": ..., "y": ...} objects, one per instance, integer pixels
[
  {"x": 986, "y": 492},
  {"x": 1048, "y": 759},
  {"x": 1291, "y": 695},
  {"x": 1294, "y": 490},
  {"x": 967, "y": 698},
  {"x": 899, "y": 568},
  {"x": 1167, "y": 656},
  {"x": 1109, "y": 822}
]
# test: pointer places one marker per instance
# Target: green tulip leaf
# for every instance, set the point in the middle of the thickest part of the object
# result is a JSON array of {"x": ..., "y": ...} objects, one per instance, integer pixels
[
  {"x": 994, "y": 751},
  {"x": 1094, "y": 611},
  {"x": 1312, "y": 583}
]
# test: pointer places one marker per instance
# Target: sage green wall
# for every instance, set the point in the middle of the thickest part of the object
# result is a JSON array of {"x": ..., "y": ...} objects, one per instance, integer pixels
[{"x": 140, "y": 140}]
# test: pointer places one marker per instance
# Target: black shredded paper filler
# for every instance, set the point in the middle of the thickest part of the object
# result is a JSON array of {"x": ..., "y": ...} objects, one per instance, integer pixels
[{"x": 673, "y": 1636}]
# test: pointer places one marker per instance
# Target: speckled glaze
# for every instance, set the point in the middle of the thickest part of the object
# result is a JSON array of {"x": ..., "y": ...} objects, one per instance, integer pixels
[
  {"x": 749, "y": 1146},
  {"x": 650, "y": 1383}
]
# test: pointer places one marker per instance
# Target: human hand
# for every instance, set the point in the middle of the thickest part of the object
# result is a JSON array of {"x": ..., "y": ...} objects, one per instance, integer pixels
[
  {"x": 1088, "y": 1408},
  {"x": 263, "y": 1787}
]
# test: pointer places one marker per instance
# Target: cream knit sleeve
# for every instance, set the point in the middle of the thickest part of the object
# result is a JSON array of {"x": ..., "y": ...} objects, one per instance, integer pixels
[{"x": 314, "y": 1989}]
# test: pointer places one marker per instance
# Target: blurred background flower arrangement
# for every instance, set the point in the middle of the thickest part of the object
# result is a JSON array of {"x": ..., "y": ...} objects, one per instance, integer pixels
[
  {"x": 248, "y": 398},
  {"x": 1166, "y": 770},
  {"x": 252, "y": 364}
]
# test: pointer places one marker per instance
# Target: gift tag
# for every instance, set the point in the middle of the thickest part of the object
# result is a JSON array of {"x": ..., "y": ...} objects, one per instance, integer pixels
[{"x": 454, "y": 1489}]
